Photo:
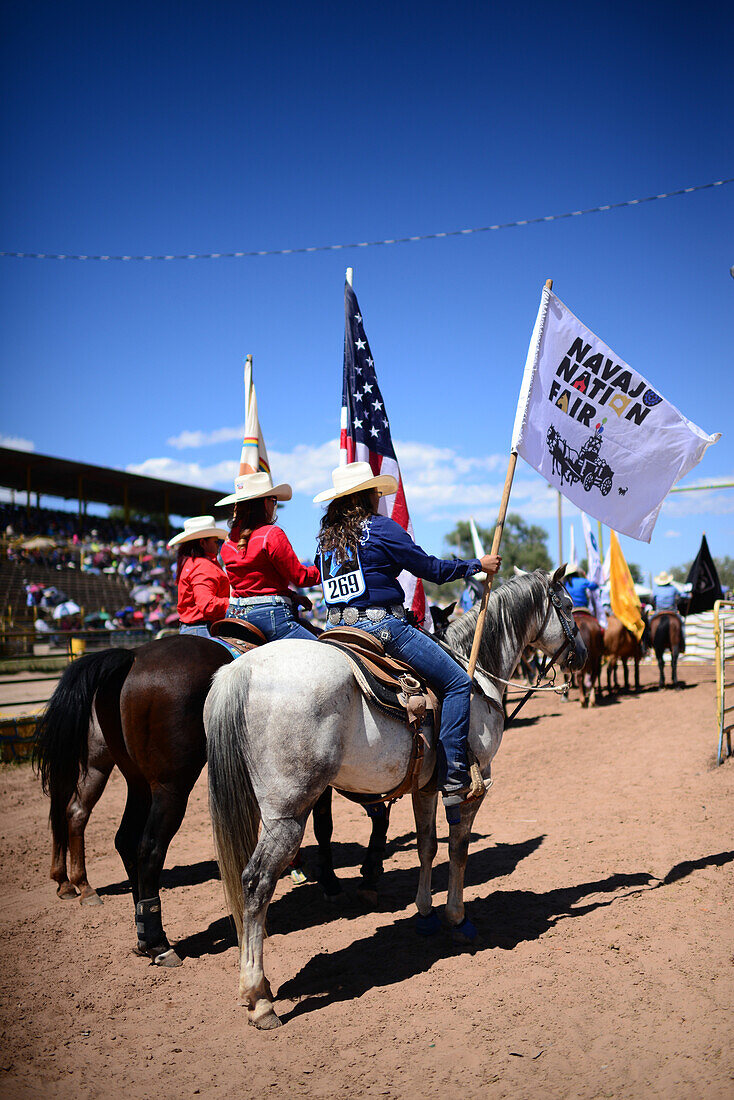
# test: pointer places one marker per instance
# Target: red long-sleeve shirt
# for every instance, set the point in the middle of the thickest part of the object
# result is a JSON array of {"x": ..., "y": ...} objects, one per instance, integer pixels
[
  {"x": 268, "y": 565},
  {"x": 203, "y": 591}
]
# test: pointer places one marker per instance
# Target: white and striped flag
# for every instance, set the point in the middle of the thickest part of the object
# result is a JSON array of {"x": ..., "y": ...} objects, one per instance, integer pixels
[{"x": 254, "y": 457}]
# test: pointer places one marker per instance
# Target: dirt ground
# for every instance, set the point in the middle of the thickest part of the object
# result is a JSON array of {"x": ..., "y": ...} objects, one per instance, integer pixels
[{"x": 599, "y": 877}]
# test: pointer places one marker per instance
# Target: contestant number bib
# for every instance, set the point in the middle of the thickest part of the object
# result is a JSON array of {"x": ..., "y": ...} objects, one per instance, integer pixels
[{"x": 341, "y": 581}]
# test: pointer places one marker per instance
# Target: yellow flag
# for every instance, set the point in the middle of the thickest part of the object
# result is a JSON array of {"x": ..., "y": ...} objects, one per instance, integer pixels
[{"x": 622, "y": 596}]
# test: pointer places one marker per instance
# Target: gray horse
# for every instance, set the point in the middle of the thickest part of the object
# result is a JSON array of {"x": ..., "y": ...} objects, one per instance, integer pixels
[{"x": 288, "y": 720}]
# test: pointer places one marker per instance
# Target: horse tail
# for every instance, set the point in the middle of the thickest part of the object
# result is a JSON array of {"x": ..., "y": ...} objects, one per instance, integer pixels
[
  {"x": 232, "y": 804},
  {"x": 60, "y": 754}
]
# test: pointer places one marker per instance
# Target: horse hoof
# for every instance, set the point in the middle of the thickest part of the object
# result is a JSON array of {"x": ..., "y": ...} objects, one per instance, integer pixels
[
  {"x": 168, "y": 958},
  {"x": 66, "y": 891},
  {"x": 465, "y": 934},
  {"x": 428, "y": 926},
  {"x": 368, "y": 897},
  {"x": 263, "y": 1017},
  {"x": 90, "y": 899}
]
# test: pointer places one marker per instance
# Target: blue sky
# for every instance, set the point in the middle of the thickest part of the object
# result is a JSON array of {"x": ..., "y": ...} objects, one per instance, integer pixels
[{"x": 190, "y": 127}]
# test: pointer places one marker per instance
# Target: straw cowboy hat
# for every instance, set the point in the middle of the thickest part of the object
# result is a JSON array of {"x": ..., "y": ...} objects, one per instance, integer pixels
[
  {"x": 664, "y": 578},
  {"x": 354, "y": 478},
  {"x": 200, "y": 527},
  {"x": 254, "y": 486},
  {"x": 571, "y": 568}
]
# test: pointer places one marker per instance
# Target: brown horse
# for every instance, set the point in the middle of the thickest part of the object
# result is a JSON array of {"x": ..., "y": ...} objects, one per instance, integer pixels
[
  {"x": 588, "y": 679},
  {"x": 666, "y": 632},
  {"x": 619, "y": 645}
]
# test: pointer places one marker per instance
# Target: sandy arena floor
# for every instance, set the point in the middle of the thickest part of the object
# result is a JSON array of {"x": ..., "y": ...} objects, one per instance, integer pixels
[{"x": 600, "y": 879}]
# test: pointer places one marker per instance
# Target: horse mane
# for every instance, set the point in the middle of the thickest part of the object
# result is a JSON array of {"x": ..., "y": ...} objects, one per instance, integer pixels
[{"x": 509, "y": 611}]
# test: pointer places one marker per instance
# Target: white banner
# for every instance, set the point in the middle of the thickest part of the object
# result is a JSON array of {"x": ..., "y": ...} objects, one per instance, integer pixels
[
  {"x": 596, "y": 429},
  {"x": 595, "y": 571}
]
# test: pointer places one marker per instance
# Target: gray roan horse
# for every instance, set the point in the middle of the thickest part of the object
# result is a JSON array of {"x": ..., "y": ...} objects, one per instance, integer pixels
[{"x": 288, "y": 720}]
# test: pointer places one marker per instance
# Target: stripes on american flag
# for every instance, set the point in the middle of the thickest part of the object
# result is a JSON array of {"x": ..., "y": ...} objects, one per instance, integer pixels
[{"x": 365, "y": 432}]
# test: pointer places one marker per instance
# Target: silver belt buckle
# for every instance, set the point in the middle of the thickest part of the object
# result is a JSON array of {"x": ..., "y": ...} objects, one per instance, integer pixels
[
  {"x": 334, "y": 616},
  {"x": 350, "y": 616},
  {"x": 376, "y": 614}
]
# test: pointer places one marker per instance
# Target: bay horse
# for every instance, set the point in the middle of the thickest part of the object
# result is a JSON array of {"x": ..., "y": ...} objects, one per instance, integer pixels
[
  {"x": 666, "y": 632},
  {"x": 620, "y": 644},
  {"x": 588, "y": 680},
  {"x": 75, "y": 764},
  {"x": 291, "y": 720}
]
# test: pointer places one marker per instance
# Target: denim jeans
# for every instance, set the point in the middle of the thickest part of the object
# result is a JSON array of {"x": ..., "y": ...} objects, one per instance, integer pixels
[
  {"x": 201, "y": 631},
  {"x": 449, "y": 680},
  {"x": 276, "y": 620}
]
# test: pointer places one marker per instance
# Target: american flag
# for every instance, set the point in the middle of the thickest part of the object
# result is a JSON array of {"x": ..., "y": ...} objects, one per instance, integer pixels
[{"x": 365, "y": 432}]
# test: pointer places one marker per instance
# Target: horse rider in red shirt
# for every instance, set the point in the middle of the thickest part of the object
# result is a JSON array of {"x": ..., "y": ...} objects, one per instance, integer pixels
[{"x": 203, "y": 588}]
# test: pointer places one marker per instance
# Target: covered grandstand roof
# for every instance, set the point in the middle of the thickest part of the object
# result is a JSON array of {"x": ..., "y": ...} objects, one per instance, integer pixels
[{"x": 60, "y": 477}]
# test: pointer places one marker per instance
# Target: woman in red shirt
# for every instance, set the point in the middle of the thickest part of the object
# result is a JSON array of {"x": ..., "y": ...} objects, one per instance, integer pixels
[
  {"x": 203, "y": 588},
  {"x": 261, "y": 563}
]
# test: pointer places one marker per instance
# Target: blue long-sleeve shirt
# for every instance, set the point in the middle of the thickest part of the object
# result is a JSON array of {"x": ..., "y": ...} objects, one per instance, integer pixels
[
  {"x": 577, "y": 588},
  {"x": 385, "y": 550}
]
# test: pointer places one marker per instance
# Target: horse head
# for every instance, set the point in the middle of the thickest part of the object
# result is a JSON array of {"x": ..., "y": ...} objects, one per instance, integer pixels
[
  {"x": 558, "y": 636},
  {"x": 441, "y": 617}
]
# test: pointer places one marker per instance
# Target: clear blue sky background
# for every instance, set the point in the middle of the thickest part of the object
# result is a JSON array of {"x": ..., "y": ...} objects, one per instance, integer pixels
[{"x": 198, "y": 127}]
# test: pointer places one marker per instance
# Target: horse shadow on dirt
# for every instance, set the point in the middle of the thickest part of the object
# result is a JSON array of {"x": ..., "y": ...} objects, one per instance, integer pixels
[
  {"x": 394, "y": 953},
  {"x": 185, "y": 874},
  {"x": 306, "y": 907}
]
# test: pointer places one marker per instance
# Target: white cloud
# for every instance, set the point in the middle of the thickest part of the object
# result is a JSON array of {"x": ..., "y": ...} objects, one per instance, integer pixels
[
  {"x": 16, "y": 443},
  {"x": 672, "y": 534},
  {"x": 191, "y": 439},
  {"x": 188, "y": 473}
]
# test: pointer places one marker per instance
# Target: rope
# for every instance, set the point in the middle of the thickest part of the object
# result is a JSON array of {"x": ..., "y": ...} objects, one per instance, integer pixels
[{"x": 371, "y": 244}]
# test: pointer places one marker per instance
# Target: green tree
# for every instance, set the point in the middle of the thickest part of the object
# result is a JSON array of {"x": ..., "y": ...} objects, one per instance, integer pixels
[{"x": 523, "y": 545}]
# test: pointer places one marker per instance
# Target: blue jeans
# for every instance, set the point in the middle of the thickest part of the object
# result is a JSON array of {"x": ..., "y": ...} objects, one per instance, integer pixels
[
  {"x": 276, "y": 620},
  {"x": 201, "y": 631},
  {"x": 447, "y": 678}
]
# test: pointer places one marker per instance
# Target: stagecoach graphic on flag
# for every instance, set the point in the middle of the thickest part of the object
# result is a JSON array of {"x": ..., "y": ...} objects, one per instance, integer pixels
[{"x": 583, "y": 465}]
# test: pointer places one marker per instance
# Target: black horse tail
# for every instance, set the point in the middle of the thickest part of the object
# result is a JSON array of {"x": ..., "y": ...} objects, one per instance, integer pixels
[{"x": 60, "y": 754}]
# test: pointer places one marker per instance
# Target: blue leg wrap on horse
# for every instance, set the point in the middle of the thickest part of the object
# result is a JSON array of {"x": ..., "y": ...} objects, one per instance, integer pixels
[
  {"x": 149, "y": 924},
  {"x": 466, "y": 929},
  {"x": 428, "y": 926}
]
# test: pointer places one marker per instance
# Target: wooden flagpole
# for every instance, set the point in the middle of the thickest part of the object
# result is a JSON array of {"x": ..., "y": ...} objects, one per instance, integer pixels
[{"x": 495, "y": 550}]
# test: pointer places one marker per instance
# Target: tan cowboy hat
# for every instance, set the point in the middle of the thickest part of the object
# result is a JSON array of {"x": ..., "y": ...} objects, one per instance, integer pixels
[
  {"x": 571, "y": 568},
  {"x": 200, "y": 527},
  {"x": 353, "y": 478},
  {"x": 664, "y": 578},
  {"x": 254, "y": 486}
]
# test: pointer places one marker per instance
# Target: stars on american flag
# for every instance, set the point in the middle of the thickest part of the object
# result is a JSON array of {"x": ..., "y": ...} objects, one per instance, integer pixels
[
  {"x": 367, "y": 422},
  {"x": 360, "y": 345}
]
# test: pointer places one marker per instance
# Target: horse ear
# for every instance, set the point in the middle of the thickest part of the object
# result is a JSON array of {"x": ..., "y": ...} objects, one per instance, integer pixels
[
  {"x": 450, "y": 609},
  {"x": 559, "y": 573},
  {"x": 519, "y": 572}
]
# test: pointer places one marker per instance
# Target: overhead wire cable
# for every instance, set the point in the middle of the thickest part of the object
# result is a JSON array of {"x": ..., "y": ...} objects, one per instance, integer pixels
[{"x": 369, "y": 244}]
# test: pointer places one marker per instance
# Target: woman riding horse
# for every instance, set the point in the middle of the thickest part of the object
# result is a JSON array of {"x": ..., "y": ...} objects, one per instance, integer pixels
[
  {"x": 203, "y": 588},
  {"x": 360, "y": 554}
]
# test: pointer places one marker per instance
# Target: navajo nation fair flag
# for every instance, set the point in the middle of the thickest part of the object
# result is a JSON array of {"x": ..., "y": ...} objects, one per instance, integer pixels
[
  {"x": 365, "y": 432},
  {"x": 596, "y": 429}
]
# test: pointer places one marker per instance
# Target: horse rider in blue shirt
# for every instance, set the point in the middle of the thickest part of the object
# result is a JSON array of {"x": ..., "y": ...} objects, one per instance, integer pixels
[
  {"x": 664, "y": 593},
  {"x": 578, "y": 586},
  {"x": 360, "y": 555}
]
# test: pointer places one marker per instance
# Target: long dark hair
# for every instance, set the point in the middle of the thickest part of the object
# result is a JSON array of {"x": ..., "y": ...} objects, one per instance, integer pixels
[
  {"x": 248, "y": 515},
  {"x": 343, "y": 523},
  {"x": 190, "y": 549}
]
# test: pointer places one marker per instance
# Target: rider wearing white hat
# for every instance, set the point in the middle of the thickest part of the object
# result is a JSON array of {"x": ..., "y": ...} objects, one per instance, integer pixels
[
  {"x": 203, "y": 588},
  {"x": 260, "y": 561},
  {"x": 360, "y": 555},
  {"x": 664, "y": 592},
  {"x": 577, "y": 585}
]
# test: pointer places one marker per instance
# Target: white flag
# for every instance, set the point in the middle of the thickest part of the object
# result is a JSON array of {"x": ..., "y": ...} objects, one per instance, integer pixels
[
  {"x": 254, "y": 457},
  {"x": 595, "y": 571},
  {"x": 596, "y": 429}
]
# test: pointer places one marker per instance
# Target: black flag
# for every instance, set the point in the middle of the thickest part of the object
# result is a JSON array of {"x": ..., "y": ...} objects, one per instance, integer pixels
[{"x": 704, "y": 581}]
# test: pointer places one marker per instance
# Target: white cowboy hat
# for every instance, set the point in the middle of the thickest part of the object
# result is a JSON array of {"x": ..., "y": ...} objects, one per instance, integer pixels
[
  {"x": 664, "y": 578},
  {"x": 254, "y": 486},
  {"x": 200, "y": 527},
  {"x": 572, "y": 567},
  {"x": 353, "y": 478}
]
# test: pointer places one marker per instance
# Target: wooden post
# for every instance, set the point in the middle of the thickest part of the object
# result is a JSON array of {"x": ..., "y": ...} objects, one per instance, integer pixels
[
  {"x": 495, "y": 550},
  {"x": 560, "y": 530}
]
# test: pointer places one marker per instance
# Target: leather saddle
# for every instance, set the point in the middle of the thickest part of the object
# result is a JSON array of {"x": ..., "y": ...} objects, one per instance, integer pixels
[
  {"x": 579, "y": 612},
  {"x": 238, "y": 633}
]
